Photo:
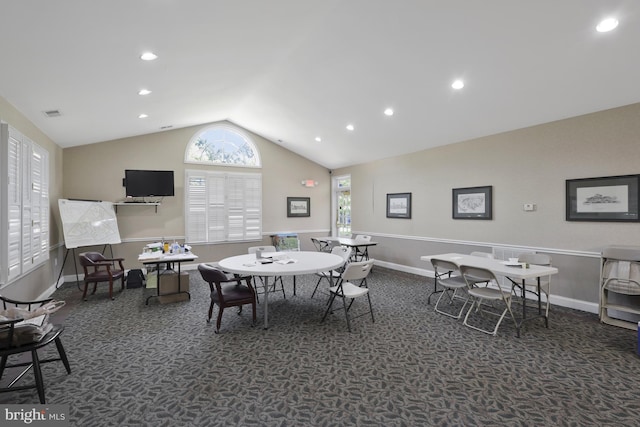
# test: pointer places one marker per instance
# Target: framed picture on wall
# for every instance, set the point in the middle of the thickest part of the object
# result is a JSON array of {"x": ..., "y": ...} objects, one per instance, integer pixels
[
  {"x": 611, "y": 198},
  {"x": 399, "y": 205},
  {"x": 298, "y": 206},
  {"x": 472, "y": 203}
]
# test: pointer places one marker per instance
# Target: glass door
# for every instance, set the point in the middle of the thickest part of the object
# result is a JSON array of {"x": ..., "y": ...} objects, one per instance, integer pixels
[{"x": 341, "y": 201}]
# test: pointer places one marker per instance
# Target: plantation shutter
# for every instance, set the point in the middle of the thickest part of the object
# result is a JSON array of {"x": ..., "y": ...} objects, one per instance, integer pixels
[
  {"x": 223, "y": 206},
  {"x": 38, "y": 185},
  {"x": 195, "y": 206},
  {"x": 14, "y": 207},
  {"x": 253, "y": 207},
  {"x": 24, "y": 205},
  {"x": 217, "y": 215}
]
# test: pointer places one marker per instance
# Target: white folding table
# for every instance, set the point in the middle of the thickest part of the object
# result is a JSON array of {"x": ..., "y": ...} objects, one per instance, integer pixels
[
  {"x": 304, "y": 262},
  {"x": 501, "y": 268}
]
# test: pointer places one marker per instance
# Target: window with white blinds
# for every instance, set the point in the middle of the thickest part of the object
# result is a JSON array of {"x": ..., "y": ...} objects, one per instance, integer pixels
[
  {"x": 24, "y": 205},
  {"x": 221, "y": 207}
]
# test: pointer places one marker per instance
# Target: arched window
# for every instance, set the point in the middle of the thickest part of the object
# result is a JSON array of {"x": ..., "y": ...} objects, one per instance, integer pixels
[{"x": 222, "y": 145}]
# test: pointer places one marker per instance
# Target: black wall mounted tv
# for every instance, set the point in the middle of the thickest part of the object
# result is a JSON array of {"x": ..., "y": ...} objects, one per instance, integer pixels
[{"x": 146, "y": 183}]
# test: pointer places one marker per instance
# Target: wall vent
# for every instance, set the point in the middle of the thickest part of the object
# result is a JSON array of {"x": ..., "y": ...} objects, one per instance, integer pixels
[{"x": 52, "y": 113}]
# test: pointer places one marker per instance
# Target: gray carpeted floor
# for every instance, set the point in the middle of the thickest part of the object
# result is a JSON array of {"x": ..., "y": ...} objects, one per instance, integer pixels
[{"x": 162, "y": 365}]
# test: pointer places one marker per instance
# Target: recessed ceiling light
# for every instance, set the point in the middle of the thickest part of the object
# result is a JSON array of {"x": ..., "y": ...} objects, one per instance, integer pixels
[
  {"x": 318, "y": 139},
  {"x": 144, "y": 92},
  {"x": 458, "y": 84},
  {"x": 607, "y": 25},
  {"x": 143, "y": 116},
  {"x": 148, "y": 56},
  {"x": 388, "y": 112},
  {"x": 350, "y": 127}
]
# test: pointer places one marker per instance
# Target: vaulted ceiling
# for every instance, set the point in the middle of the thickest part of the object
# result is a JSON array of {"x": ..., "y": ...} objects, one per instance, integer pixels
[{"x": 295, "y": 71}]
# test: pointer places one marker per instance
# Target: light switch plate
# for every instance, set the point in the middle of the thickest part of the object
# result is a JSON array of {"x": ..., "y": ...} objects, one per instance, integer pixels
[{"x": 529, "y": 207}]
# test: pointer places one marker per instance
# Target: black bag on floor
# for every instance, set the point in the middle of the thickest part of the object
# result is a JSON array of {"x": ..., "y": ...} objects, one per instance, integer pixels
[{"x": 135, "y": 279}]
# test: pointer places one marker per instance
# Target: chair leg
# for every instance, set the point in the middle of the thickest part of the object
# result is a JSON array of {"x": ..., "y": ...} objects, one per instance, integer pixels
[
  {"x": 350, "y": 304},
  {"x": 84, "y": 294},
  {"x": 329, "y": 305},
  {"x": 451, "y": 295},
  {"x": 495, "y": 330},
  {"x": 63, "y": 355},
  {"x": 3, "y": 364},
  {"x": 466, "y": 317},
  {"x": 478, "y": 303},
  {"x": 38, "y": 374},
  {"x": 111, "y": 288},
  {"x": 371, "y": 309},
  {"x": 316, "y": 288},
  {"x": 255, "y": 286},
  {"x": 210, "y": 311},
  {"x": 220, "y": 310},
  {"x": 346, "y": 312}
]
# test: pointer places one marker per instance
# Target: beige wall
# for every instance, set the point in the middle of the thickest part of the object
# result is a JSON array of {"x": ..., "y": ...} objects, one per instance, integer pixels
[
  {"x": 95, "y": 172},
  {"x": 523, "y": 166},
  {"x": 38, "y": 281}
]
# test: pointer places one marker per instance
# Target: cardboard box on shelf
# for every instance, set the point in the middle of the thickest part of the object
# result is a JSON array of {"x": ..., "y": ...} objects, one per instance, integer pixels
[{"x": 169, "y": 287}]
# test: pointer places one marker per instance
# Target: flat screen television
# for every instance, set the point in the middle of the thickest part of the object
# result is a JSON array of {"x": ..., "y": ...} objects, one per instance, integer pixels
[{"x": 145, "y": 183}]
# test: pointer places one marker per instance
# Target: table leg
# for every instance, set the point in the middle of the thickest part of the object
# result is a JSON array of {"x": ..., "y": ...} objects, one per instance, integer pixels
[
  {"x": 436, "y": 276},
  {"x": 157, "y": 285},
  {"x": 539, "y": 298},
  {"x": 266, "y": 302},
  {"x": 524, "y": 301},
  {"x": 180, "y": 291},
  {"x": 546, "y": 318},
  {"x": 169, "y": 267}
]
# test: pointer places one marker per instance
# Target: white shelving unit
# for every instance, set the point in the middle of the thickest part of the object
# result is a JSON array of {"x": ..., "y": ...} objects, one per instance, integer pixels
[
  {"x": 116, "y": 204},
  {"x": 620, "y": 286}
]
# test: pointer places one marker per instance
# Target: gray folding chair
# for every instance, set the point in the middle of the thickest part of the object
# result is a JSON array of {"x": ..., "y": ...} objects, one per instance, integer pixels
[
  {"x": 446, "y": 275},
  {"x": 346, "y": 288},
  {"x": 485, "y": 294},
  {"x": 488, "y": 255},
  {"x": 333, "y": 275}
]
